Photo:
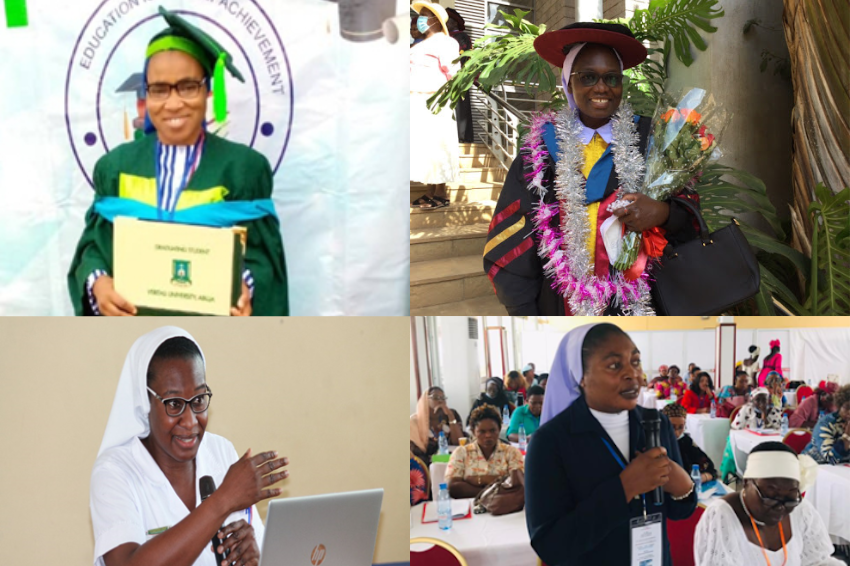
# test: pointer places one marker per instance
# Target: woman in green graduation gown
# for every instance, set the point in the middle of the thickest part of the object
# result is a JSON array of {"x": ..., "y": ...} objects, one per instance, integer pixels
[{"x": 180, "y": 172}]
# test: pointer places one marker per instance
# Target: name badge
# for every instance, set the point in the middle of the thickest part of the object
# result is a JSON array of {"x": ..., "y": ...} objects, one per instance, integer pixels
[{"x": 646, "y": 540}]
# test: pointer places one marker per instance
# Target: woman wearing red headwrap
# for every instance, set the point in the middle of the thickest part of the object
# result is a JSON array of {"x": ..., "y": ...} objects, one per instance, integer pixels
[{"x": 773, "y": 362}]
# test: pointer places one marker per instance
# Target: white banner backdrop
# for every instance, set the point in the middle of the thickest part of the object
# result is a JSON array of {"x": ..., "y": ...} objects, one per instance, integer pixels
[
  {"x": 820, "y": 352},
  {"x": 330, "y": 115}
]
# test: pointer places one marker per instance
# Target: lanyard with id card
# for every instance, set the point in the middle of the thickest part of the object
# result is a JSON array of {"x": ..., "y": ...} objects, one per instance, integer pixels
[{"x": 644, "y": 532}]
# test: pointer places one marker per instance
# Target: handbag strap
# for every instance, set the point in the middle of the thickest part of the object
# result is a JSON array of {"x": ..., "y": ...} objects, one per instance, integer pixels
[{"x": 703, "y": 227}]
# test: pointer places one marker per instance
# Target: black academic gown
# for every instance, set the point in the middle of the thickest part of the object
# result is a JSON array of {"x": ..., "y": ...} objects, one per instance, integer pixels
[
  {"x": 518, "y": 278},
  {"x": 576, "y": 508}
]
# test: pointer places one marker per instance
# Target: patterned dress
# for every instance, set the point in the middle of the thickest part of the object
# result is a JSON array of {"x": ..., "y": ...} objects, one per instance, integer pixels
[
  {"x": 826, "y": 446},
  {"x": 469, "y": 462}
]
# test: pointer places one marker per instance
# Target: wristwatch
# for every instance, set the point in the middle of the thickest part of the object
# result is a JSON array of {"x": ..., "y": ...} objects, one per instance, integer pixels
[{"x": 453, "y": 422}]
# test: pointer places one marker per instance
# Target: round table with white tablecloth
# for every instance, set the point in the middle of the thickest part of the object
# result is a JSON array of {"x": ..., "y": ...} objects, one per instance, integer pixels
[
  {"x": 709, "y": 434},
  {"x": 743, "y": 442},
  {"x": 484, "y": 540},
  {"x": 830, "y": 495}
]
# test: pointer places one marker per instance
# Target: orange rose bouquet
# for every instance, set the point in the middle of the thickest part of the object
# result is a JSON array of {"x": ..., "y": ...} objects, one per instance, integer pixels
[{"x": 684, "y": 138}]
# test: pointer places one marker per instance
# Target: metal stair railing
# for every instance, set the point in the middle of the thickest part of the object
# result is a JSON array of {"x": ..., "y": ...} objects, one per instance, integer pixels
[{"x": 499, "y": 121}]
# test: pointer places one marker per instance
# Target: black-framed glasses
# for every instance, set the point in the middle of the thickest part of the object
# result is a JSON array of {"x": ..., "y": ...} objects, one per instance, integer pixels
[
  {"x": 186, "y": 89},
  {"x": 174, "y": 406},
  {"x": 590, "y": 78},
  {"x": 770, "y": 502}
]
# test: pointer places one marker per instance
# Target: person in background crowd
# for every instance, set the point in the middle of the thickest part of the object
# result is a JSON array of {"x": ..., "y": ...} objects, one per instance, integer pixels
[
  {"x": 433, "y": 416},
  {"x": 528, "y": 375},
  {"x": 589, "y": 463},
  {"x": 775, "y": 383},
  {"x": 673, "y": 385},
  {"x": 415, "y": 36},
  {"x": 463, "y": 110},
  {"x": 741, "y": 388},
  {"x": 699, "y": 395},
  {"x": 662, "y": 371},
  {"x": 528, "y": 414},
  {"x": 759, "y": 413},
  {"x": 479, "y": 463},
  {"x": 692, "y": 374},
  {"x": 544, "y": 377},
  {"x": 514, "y": 385},
  {"x": 773, "y": 362},
  {"x": 494, "y": 394},
  {"x": 434, "y": 150},
  {"x": 751, "y": 365},
  {"x": 691, "y": 367},
  {"x": 830, "y": 442},
  {"x": 815, "y": 406},
  {"x": 691, "y": 453},
  {"x": 768, "y": 522}
]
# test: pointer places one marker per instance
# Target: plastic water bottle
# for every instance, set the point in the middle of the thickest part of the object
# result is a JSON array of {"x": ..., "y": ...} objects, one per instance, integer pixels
[
  {"x": 444, "y": 508},
  {"x": 784, "y": 425},
  {"x": 523, "y": 440},
  {"x": 443, "y": 444},
  {"x": 695, "y": 475},
  {"x": 713, "y": 409},
  {"x": 506, "y": 415}
]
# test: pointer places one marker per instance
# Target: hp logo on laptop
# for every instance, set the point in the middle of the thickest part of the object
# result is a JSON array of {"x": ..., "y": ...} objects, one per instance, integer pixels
[{"x": 318, "y": 555}]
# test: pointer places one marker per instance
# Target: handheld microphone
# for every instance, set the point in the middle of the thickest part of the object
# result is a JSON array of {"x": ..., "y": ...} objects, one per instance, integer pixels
[
  {"x": 207, "y": 486},
  {"x": 652, "y": 429}
]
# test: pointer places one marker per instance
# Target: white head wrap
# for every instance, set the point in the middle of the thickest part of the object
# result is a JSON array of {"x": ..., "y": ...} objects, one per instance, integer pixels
[
  {"x": 131, "y": 407},
  {"x": 760, "y": 391},
  {"x": 567, "y": 69},
  {"x": 782, "y": 464}
]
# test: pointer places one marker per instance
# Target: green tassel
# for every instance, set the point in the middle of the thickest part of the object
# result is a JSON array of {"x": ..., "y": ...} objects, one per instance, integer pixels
[{"x": 219, "y": 92}]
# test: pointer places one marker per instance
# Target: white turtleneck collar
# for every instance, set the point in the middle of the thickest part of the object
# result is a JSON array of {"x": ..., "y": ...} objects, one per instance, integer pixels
[{"x": 617, "y": 427}]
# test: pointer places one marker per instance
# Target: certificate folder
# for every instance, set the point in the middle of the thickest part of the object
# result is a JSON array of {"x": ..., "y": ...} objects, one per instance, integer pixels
[{"x": 166, "y": 268}]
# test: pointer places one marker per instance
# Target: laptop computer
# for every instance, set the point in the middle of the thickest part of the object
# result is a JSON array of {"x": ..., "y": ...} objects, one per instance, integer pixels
[{"x": 336, "y": 529}]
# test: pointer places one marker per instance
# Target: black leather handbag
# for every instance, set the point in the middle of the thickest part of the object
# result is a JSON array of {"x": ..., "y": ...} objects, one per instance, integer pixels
[{"x": 706, "y": 275}]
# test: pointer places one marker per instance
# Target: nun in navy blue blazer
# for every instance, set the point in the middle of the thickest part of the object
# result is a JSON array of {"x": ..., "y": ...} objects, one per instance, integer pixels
[{"x": 587, "y": 467}]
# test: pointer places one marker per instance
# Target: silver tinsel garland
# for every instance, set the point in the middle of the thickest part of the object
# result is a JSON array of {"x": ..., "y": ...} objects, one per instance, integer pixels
[{"x": 570, "y": 190}]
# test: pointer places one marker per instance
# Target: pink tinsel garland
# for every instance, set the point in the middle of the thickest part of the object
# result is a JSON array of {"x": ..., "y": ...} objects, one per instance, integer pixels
[{"x": 552, "y": 241}]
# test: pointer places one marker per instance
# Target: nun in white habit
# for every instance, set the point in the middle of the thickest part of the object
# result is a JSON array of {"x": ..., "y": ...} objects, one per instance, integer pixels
[{"x": 145, "y": 501}]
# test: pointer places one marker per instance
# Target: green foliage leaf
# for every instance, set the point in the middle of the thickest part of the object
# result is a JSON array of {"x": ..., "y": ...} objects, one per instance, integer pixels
[{"x": 829, "y": 292}]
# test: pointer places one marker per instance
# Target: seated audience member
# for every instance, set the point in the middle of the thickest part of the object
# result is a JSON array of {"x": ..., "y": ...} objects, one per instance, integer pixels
[
  {"x": 514, "y": 385},
  {"x": 814, "y": 406},
  {"x": 544, "y": 378},
  {"x": 692, "y": 374},
  {"x": 690, "y": 452},
  {"x": 528, "y": 414},
  {"x": 830, "y": 442},
  {"x": 433, "y": 416},
  {"x": 528, "y": 375},
  {"x": 662, "y": 375},
  {"x": 768, "y": 522},
  {"x": 674, "y": 384},
  {"x": 493, "y": 394},
  {"x": 775, "y": 383},
  {"x": 741, "y": 388},
  {"x": 759, "y": 413},
  {"x": 476, "y": 465},
  {"x": 699, "y": 395}
]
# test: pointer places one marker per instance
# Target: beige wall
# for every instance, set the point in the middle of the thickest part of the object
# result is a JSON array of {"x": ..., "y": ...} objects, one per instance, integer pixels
[{"x": 325, "y": 392}]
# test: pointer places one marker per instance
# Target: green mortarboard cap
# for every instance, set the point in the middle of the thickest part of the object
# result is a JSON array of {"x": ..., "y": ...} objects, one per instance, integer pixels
[{"x": 183, "y": 36}]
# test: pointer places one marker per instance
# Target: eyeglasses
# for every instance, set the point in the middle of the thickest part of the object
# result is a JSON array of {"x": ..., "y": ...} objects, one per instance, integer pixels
[
  {"x": 174, "y": 406},
  {"x": 590, "y": 78},
  {"x": 438, "y": 398},
  {"x": 186, "y": 89},
  {"x": 770, "y": 502}
]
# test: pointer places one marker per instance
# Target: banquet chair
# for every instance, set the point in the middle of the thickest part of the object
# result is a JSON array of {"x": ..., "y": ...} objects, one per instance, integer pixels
[
  {"x": 798, "y": 439},
  {"x": 441, "y": 554},
  {"x": 734, "y": 413},
  {"x": 802, "y": 392},
  {"x": 424, "y": 469}
]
